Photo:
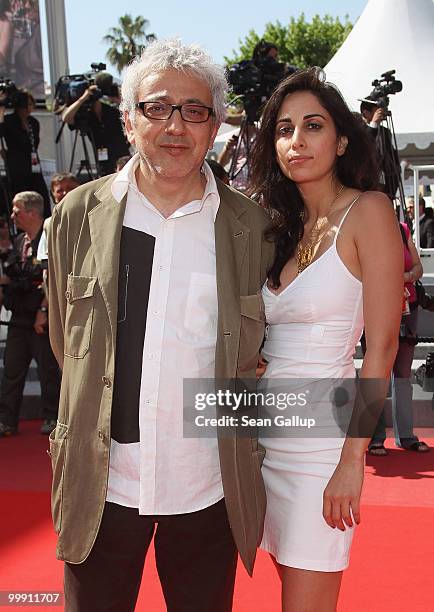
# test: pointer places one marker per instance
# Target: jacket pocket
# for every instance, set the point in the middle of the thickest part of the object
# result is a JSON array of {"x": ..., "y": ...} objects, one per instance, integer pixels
[
  {"x": 79, "y": 315},
  {"x": 251, "y": 332},
  {"x": 200, "y": 319},
  {"x": 57, "y": 452}
]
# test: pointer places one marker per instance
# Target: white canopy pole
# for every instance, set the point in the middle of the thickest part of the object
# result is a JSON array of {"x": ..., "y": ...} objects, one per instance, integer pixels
[{"x": 59, "y": 65}]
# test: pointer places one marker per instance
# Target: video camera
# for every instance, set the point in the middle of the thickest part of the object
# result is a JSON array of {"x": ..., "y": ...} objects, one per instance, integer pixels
[
  {"x": 255, "y": 80},
  {"x": 71, "y": 87},
  {"x": 10, "y": 89},
  {"x": 384, "y": 87}
]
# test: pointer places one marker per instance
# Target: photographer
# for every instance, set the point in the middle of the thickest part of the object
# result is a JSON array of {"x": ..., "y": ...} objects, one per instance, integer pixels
[
  {"x": 373, "y": 114},
  {"x": 402, "y": 390},
  {"x": 253, "y": 81},
  {"x": 101, "y": 121},
  {"x": 27, "y": 332},
  {"x": 426, "y": 225},
  {"x": 21, "y": 133},
  {"x": 61, "y": 184}
]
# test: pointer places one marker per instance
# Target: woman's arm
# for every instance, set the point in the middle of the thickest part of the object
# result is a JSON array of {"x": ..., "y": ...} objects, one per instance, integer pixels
[
  {"x": 416, "y": 272},
  {"x": 380, "y": 253},
  {"x": 379, "y": 248}
]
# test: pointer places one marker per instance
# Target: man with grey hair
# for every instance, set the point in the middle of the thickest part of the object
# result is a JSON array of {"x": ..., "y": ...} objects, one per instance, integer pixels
[
  {"x": 23, "y": 295},
  {"x": 155, "y": 276}
]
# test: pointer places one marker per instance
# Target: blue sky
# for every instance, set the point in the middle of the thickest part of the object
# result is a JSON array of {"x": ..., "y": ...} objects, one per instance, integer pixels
[{"x": 218, "y": 27}]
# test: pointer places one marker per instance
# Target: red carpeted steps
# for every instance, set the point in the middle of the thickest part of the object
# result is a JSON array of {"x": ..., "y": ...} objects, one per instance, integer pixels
[{"x": 392, "y": 559}]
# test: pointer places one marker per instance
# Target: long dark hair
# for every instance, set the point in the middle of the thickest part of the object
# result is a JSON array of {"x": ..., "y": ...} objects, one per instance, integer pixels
[{"x": 357, "y": 168}]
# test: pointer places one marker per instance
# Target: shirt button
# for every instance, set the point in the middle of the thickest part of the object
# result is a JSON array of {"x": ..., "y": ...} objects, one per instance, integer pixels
[
  {"x": 151, "y": 355},
  {"x": 100, "y": 435},
  {"x": 147, "y": 401},
  {"x": 155, "y": 313},
  {"x": 107, "y": 382}
]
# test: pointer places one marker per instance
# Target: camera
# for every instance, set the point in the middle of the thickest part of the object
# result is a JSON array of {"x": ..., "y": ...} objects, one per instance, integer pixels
[
  {"x": 71, "y": 87},
  {"x": 384, "y": 87},
  {"x": 255, "y": 80},
  {"x": 10, "y": 89}
]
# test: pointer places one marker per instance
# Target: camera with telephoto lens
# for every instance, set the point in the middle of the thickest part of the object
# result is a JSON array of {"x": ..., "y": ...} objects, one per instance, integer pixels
[
  {"x": 9, "y": 88},
  {"x": 384, "y": 87}
]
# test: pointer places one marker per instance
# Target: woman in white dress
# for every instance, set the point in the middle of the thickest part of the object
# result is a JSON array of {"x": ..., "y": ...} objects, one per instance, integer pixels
[{"x": 338, "y": 268}]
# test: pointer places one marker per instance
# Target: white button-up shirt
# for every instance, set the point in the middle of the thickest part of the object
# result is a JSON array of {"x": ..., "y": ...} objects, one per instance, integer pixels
[{"x": 166, "y": 473}]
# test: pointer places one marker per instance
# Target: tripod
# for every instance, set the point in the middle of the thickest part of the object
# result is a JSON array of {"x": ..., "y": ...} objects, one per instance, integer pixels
[
  {"x": 387, "y": 148},
  {"x": 240, "y": 162},
  {"x": 84, "y": 163},
  {"x": 81, "y": 128},
  {"x": 241, "y": 155}
]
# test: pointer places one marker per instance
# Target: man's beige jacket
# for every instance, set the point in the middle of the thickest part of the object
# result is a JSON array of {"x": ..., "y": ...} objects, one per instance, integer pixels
[{"x": 84, "y": 242}]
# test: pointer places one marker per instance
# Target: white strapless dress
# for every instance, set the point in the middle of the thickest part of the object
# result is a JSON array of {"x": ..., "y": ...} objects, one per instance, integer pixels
[{"x": 314, "y": 325}]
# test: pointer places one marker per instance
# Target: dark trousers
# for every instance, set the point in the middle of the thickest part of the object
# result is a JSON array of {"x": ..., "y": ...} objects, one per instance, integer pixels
[
  {"x": 195, "y": 555},
  {"x": 23, "y": 344}
]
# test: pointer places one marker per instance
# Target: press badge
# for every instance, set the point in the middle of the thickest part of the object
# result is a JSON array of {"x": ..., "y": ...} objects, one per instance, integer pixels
[
  {"x": 102, "y": 154},
  {"x": 36, "y": 166}
]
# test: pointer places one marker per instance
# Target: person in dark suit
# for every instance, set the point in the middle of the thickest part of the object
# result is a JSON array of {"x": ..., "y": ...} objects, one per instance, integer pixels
[
  {"x": 20, "y": 132},
  {"x": 426, "y": 226},
  {"x": 373, "y": 115}
]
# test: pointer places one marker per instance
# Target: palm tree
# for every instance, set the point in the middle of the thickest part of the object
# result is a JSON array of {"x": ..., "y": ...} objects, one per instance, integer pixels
[{"x": 127, "y": 40}]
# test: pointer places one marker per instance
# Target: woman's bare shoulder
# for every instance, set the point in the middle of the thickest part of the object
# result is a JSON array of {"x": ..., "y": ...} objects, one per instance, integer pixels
[
  {"x": 374, "y": 207},
  {"x": 374, "y": 222}
]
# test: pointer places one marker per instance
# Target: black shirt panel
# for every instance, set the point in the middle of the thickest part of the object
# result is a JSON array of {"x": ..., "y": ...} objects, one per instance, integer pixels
[{"x": 135, "y": 270}]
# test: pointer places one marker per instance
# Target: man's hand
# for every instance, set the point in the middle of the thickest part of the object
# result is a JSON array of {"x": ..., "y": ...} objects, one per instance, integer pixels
[
  {"x": 41, "y": 322},
  {"x": 379, "y": 115},
  {"x": 89, "y": 92}
]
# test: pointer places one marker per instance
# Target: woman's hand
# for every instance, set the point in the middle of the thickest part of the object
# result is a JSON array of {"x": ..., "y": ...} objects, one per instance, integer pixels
[
  {"x": 261, "y": 367},
  {"x": 342, "y": 494}
]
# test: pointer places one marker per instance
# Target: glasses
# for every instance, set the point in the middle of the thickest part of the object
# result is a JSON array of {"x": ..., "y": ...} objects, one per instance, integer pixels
[{"x": 192, "y": 113}]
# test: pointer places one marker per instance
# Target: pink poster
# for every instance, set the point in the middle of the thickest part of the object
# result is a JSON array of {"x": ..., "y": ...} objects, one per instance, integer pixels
[{"x": 20, "y": 45}]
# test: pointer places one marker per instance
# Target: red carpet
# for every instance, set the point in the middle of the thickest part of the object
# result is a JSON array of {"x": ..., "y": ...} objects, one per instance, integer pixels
[{"x": 392, "y": 560}]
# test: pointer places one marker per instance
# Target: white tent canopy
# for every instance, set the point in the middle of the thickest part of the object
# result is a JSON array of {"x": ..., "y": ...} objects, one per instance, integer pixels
[{"x": 392, "y": 34}]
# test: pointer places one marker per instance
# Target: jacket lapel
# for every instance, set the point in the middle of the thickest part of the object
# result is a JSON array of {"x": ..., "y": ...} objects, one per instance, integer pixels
[
  {"x": 105, "y": 223},
  {"x": 231, "y": 239}
]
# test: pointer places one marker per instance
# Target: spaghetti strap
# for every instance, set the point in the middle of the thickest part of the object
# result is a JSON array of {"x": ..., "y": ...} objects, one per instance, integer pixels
[{"x": 344, "y": 217}]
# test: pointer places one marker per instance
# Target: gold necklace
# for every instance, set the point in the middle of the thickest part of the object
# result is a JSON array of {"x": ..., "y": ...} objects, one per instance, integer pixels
[{"x": 306, "y": 253}]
